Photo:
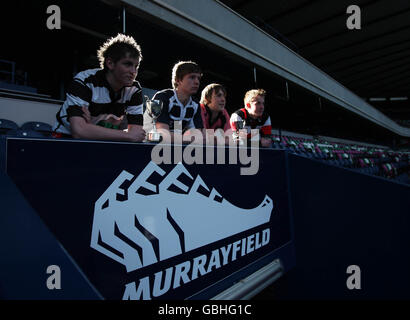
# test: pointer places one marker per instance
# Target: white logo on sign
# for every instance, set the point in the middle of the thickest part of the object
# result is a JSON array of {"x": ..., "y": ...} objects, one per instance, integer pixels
[{"x": 138, "y": 223}]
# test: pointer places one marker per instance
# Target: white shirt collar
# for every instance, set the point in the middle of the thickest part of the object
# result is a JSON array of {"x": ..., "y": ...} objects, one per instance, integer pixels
[{"x": 179, "y": 102}]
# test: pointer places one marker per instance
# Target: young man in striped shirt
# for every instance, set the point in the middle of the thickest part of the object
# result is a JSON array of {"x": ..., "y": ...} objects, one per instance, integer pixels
[
  {"x": 180, "y": 111},
  {"x": 98, "y": 99}
]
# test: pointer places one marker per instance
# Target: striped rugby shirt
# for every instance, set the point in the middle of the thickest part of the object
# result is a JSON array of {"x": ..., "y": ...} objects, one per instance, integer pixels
[
  {"x": 263, "y": 123},
  {"x": 174, "y": 110},
  {"x": 91, "y": 89}
]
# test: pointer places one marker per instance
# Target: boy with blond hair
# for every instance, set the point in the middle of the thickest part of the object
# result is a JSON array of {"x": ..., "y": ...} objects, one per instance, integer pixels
[{"x": 253, "y": 116}]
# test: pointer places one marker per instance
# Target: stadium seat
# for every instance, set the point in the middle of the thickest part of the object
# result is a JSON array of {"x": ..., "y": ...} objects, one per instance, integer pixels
[
  {"x": 42, "y": 127},
  {"x": 369, "y": 160},
  {"x": 7, "y": 125}
]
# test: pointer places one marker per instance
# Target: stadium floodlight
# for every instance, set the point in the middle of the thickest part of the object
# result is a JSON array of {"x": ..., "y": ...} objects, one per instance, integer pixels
[
  {"x": 377, "y": 99},
  {"x": 398, "y": 98}
]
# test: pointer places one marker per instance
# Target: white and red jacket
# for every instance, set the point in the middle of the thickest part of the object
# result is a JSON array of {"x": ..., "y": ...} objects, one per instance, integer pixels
[{"x": 263, "y": 123}]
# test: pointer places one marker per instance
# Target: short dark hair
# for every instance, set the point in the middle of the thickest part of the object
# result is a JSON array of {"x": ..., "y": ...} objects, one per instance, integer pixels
[
  {"x": 117, "y": 48},
  {"x": 181, "y": 69},
  {"x": 206, "y": 95}
]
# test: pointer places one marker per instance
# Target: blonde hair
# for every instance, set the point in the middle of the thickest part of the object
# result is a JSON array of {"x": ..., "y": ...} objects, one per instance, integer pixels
[
  {"x": 206, "y": 95},
  {"x": 252, "y": 94}
]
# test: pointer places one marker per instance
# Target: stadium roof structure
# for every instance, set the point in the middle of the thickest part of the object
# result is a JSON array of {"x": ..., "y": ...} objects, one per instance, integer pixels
[
  {"x": 319, "y": 75},
  {"x": 373, "y": 61},
  {"x": 327, "y": 68}
]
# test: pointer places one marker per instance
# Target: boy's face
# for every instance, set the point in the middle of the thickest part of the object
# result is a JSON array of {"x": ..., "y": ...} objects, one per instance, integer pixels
[
  {"x": 189, "y": 83},
  {"x": 256, "y": 106},
  {"x": 124, "y": 71},
  {"x": 218, "y": 100}
]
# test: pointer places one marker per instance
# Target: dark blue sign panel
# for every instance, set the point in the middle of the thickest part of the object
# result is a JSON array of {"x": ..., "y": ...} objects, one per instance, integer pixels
[
  {"x": 140, "y": 230},
  {"x": 30, "y": 257}
]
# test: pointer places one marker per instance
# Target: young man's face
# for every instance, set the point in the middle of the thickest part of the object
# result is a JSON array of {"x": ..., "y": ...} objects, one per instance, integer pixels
[
  {"x": 189, "y": 83},
  {"x": 218, "y": 101},
  {"x": 256, "y": 106},
  {"x": 124, "y": 71}
]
